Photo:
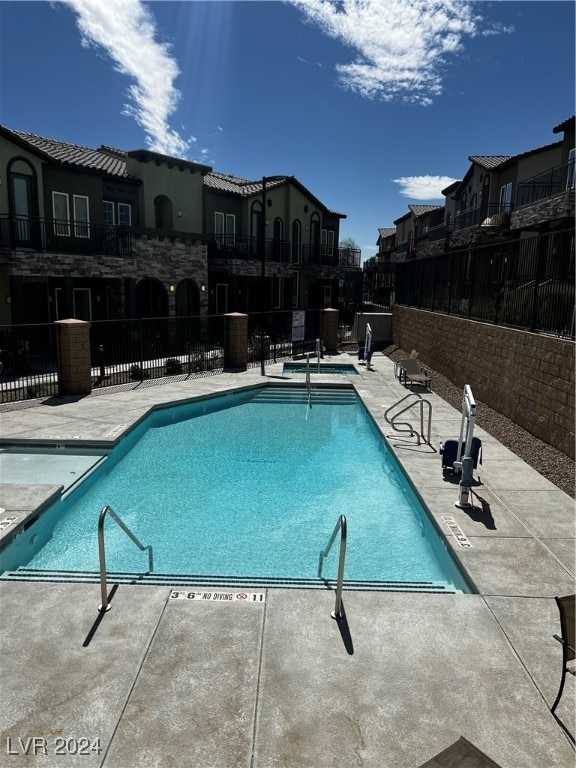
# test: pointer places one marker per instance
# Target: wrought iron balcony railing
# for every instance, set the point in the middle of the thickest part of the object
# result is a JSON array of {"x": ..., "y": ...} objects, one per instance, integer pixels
[
  {"x": 547, "y": 184},
  {"x": 331, "y": 255},
  {"x": 239, "y": 247},
  {"x": 485, "y": 216},
  {"x": 60, "y": 236}
]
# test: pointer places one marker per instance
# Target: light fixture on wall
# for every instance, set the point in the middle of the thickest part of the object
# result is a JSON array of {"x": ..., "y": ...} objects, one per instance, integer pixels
[
  {"x": 203, "y": 288},
  {"x": 179, "y": 213},
  {"x": 172, "y": 287},
  {"x": 8, "y": 299}
]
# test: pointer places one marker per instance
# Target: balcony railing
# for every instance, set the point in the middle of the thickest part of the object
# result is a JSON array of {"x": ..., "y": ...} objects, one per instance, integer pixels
[
  {"x": 239, "y": 247},
  {"x": 440, "y": 232},
  {"x": 485, "y": 216},
  {"x": 60, "y": 236},
  {"x": 331, "y": 255},
  {"x": 547, "y": 184}
]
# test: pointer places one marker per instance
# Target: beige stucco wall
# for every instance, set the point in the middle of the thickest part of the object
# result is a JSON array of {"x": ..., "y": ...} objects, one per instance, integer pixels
[
  {"x": 525, "y": 376},
  {"x": 180, "y": 183}
]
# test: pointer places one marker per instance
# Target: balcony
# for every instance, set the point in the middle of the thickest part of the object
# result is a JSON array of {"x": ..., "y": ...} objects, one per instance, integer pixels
[
  {"x": 331, "y": 256},
  {"x": 547, "y": 184},
  {"x": 59, "y": 236},
  {"x": 483, "y": 216},
  {"x": 247, "y": 248}
]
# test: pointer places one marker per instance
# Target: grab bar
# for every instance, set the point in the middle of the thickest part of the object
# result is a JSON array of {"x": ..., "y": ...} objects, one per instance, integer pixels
[
  {"x": 340, "y": 526},
  {"x": 420, "y": 401},
  {"x": 106, "y": 510},
  {"x": 308, "y": 385},
  {"x": 318, "y": 352}
]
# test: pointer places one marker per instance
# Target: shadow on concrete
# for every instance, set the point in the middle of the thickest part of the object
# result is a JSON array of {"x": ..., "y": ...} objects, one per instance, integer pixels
[
  {"x": 342, "y": 622},
  {"x": 481, "y": 514},
  {"x": 99, "y": 618}
]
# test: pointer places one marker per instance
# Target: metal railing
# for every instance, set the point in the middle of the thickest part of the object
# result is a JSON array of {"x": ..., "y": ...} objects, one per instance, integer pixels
[
  {"x": 485, "y": 216},
  {"x": 106, "y": 510},
  {"x": 547, "y": 184},
  {"x": 340, "y": 527},
  {"x": 331, "y": 255},
  {"x": 246, "y": 248},
  {"x": 28, "y": 361},
  {"x": 526, "y": 283},
  {"x": 62, "y": 236},
  {"x": 392, "y": 420}
]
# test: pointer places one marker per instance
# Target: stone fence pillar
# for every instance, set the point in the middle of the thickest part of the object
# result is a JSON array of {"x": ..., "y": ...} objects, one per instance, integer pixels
[
  {"x": 74, "y": 376},
  {"x": 330, "y": 338},
  {"x": 236, "y": 341}
]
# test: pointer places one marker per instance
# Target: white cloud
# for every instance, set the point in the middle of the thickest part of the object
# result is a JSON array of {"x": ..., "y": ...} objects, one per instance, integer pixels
[
  {"x": 423, "y": 187},
  {"x": 401, "y": 45},
  {"x": 126, "y": 31}
]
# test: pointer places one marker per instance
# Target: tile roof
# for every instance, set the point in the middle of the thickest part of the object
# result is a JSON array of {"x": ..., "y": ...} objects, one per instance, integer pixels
[
  {"x": 419, "y": 210},
  {"x": 110, "y": 162},
  {"x": 563, "y": 126},
  {"x": 386, "y": 231},
  {"x": 489, "y": 162}
]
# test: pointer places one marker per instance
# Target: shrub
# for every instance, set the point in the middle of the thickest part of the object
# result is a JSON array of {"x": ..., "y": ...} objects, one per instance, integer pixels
[
  {"x": 173, "y": 366},
  {"x": 137, "y": 373}
]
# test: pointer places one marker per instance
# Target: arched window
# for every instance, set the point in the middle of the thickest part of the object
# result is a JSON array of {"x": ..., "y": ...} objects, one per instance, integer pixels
[
  {"x": 22, "y": 200},
  {"x": 255, "y": 226},
  {"x": 296, "y": 241},
  {"x": 163, "y": 218}
]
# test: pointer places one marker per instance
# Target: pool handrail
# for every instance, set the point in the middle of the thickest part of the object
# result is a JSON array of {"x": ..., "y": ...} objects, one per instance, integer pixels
[
  {"x": 337, "y": 613},
  {"x": 106, "y": 510},
  {"x": 419, "y": 401},
  {"x": 308, "y": 386}
]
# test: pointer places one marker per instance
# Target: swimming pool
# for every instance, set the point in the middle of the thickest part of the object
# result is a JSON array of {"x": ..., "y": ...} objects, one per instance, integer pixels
[
  {"x": 248, "y": 486},
  {"x": 346, "y": 369}
]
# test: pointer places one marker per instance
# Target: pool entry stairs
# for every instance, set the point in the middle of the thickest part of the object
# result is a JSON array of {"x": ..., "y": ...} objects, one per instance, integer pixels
[
  {"x": 223, "y": 582},
  {"x": 320, "y": 395}
]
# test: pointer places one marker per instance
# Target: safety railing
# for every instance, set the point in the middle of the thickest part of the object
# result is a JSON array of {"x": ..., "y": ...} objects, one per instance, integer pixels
[
  {"x": 308, "y": 384},
  {"x": 340, "y": 527},
  {"x": 106, "y": 510},
  {"x": 418, "y": 401}
]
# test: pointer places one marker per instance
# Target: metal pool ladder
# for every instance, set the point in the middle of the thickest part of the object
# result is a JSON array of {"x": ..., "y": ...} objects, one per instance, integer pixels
[
  {"x": 419, "y": 401},
  {"x": 340, "y": 526},
  {"x": 106, "y": 510}
]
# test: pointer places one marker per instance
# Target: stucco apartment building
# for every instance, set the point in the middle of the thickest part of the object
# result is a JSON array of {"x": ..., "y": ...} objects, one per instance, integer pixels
[{"x": 105, "y": 233}]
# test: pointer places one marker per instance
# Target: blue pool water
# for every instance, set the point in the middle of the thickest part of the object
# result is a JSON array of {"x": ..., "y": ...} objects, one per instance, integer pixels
[{"x": 248, "y": 485}]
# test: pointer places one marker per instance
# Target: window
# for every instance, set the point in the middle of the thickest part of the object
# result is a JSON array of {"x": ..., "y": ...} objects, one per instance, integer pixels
[
  {"x": 570, "y": 177},
  {"x": 108, "y": 216},
  {"x": 225, "y": 228},
  {"x": 81, "y": 217},
  {"x": 327, "y": 236},
  {"x": 124, "y": 214},
  {"x": 295, "y": 289},
  {"x": 61, "y": 214},
  {"x": 505, "y": 197}
]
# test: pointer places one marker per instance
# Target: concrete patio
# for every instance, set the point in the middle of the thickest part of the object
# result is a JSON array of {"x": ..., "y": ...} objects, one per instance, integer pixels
[{"x": 277, "y": 683}]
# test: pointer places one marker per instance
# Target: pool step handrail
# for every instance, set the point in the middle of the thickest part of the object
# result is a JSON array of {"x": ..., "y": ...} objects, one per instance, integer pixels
[
  {"x": 308, "y": 385},
  {"x": 417, "y": 400},
  {"x": 106, "y": 510},
  {"x": 318, "y": 352},
  {"x": 337, "y": 613}
]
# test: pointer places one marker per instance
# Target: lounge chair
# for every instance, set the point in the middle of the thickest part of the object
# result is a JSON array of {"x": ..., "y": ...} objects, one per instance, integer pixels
[
  {"x": 568, "y": 640},
  {"x": 409, "y": 370}
]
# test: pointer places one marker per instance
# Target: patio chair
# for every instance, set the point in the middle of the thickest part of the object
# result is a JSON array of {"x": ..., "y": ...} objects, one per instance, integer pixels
[
  {"x": 568, "y": 640},
  {"x": 409, "y": 370}
]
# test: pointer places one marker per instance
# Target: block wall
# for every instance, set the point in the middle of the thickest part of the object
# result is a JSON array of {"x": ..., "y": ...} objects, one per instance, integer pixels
[{"x": 525, "y": 376}]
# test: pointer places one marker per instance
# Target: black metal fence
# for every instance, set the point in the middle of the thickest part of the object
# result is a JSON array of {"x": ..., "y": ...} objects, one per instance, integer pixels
[
  {"x": 132, "y": 351},
  {"x": 125, "y": 351},
  {"x": 28, "y": 361},
  {"x": 526, "y": 283},
  {"x": 272, "y": 333}
]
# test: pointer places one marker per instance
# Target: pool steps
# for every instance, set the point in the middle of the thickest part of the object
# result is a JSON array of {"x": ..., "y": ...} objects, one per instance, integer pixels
[
  {"x": 320, "y": 396},
  {"x": 224, "y": 582}
]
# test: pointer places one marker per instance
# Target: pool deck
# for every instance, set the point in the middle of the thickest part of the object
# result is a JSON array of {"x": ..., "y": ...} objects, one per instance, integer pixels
[{"x": 279, "y": 684}]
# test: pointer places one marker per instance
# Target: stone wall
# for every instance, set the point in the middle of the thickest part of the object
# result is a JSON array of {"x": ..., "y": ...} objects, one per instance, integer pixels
[{"x": 525, "y": 376}]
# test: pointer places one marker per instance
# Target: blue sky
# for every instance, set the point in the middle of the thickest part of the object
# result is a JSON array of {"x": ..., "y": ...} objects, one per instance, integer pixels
[{"x": 371, "y": 104}]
